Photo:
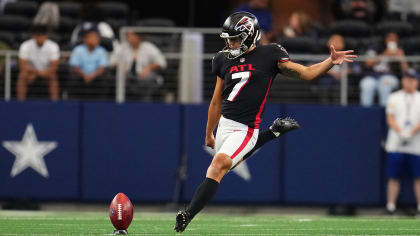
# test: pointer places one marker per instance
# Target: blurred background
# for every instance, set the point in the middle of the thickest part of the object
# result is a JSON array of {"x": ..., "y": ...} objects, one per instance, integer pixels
[{"x": 101, "y": 97}]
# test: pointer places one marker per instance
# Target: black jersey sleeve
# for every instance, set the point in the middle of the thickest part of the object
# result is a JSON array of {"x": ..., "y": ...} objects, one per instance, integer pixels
[
  {"x": 217, "y": 64},
  {"x": 279, "y": 53}
]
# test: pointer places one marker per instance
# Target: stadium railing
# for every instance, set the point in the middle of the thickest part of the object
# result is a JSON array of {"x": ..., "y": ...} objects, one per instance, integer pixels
[{"x": 171, "y": 41}]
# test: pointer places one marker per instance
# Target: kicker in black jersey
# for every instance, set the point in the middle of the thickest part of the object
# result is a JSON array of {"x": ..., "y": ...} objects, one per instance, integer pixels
[{"x": 247, "y": 82}]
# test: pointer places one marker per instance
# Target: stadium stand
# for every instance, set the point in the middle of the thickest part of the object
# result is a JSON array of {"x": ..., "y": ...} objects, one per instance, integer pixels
[
  {"x": 70, "y": 9},
  {"x": 21, "y": 8},
  {"x": 401, "y": 28},
  {"x": 351, "y": 28},
  {"x": 358, "y": 35}
]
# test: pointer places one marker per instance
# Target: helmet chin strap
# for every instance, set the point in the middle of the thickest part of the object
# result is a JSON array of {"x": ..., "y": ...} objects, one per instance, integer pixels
[
  {"x": 235, "y": 52},
  {"x": 231, "y": 53}
]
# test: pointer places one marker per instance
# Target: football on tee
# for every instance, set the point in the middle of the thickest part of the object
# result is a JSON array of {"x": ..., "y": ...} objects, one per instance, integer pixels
[{"x": 121, "y": 211}]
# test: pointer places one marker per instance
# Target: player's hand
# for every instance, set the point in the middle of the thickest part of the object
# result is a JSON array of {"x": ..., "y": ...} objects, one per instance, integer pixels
[
  {"x": 210, "y": 141},
  {"x": 339, "y": 57}
]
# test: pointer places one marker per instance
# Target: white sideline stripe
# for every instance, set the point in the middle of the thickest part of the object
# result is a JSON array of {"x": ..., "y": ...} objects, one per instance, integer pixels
[
  {"x": 248, "y": 225},
  {"x": 304, "y": 220}
]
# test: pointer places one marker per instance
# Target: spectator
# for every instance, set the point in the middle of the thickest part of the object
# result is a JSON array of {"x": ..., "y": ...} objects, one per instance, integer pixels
[
  {"x": 259, "y": 8},
  {"x": 404, "y": 7},
  {"x": 3, "y": 3},
  {"x": 3, "y": 46},
  {"x": 299, "y": 25},
  {"x": 48, "y": 14},
  {"x": 104, "y": 30},
  {"x": 382, "y": 78},
  {"x": 365, "y": 10},
  {"x": 329, "y": 84},
  {"x": 141, "y": 61},
  {"x": 38, "y": 58},
  {"x": 403, "y": 143},
  {"x": 88, "y": 61}
]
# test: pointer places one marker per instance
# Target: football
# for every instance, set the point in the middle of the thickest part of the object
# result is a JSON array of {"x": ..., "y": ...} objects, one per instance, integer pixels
[{"x": 121, "y": 212}]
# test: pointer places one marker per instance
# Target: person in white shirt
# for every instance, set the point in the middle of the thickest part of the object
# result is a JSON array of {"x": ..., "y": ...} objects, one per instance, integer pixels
[
  {"x": 141, "y": 61},
  {"x": 403, "y": 143},
  {"x": 38, "y": 58}
]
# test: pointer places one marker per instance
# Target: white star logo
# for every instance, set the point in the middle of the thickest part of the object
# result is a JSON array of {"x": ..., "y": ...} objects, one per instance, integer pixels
[
  {"x": 241, "y": 169},
  {"x": 29, "y": 152}
]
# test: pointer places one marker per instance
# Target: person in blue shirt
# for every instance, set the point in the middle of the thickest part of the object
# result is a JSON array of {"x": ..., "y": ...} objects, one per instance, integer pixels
[
  {"x": 259, "y": 8},
  {"x": 88, "y": 61}
]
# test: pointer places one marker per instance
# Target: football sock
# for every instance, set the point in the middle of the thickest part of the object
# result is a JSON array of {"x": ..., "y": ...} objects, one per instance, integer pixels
[
  {"x": 202, "y": 196},
  {"x": 390, "y": 207},
  {"x": 263, "y": 138},
  {"x": 418, "y": 207}
]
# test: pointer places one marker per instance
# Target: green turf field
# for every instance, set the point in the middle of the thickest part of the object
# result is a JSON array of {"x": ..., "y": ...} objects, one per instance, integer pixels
[{"x": 83, "y": 223}]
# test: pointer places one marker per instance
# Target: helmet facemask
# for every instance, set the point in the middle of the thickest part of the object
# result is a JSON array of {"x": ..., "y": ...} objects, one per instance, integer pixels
[{"x": 233, "y": 53}]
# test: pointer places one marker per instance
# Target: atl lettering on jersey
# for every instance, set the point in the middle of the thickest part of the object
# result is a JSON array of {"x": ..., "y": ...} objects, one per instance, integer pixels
[
  {"x": 247, "y": 85},
  {"x": 246, "y": 67}
]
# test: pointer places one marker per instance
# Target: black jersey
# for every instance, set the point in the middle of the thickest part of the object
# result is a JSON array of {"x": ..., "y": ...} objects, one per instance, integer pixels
[{"x": 247, "y": 82}]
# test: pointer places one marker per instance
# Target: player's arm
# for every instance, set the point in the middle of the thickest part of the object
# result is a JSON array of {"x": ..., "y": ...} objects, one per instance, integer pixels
[
  {"x": 215, "y": 111},
  {"x": 295, "y": 70}
]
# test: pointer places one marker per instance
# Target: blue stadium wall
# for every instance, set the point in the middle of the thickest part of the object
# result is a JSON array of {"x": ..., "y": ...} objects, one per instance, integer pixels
[{"x": 105, "y": 148}]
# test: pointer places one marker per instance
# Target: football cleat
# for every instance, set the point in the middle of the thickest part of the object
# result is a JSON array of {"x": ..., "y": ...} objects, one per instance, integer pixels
[
  {"x": 282, "y": 126},
  {"x": 390, "y": 212},
  {"x": 182, "y": 220}
]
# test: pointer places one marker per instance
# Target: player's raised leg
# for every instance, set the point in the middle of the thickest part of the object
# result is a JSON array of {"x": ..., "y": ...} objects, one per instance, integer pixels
[{"x": 278, "y": 128}]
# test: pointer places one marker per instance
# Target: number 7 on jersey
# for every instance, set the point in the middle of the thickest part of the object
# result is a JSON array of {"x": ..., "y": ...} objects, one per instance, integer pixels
[{"x": 244, "y": 77}]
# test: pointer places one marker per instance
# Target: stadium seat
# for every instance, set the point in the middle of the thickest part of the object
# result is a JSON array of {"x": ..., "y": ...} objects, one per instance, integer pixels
[
  {"x": 394, "y": 16},
  {"x": 7, "y": 38},
  {"x": 401, "y": 28},
  {"x": 213, "y": 43},
  {"x": 159, "y": 22},
  {"x": 352, "y": 44},
  {"x": 165, "y": 42},
  {"x": 320, "y": 29},
  {"x": 411, "y": 45},
  {"x": 67, "y": 24},
  {"x": 413, "y": 18},
  {"x": 55, "y": 37},
  {"x": 107, "y": 44},
  {"x": 300, "y": 45},
  {"x": 375, "y": 42},
  {"x": 116, "y": 24},
  {"x": 24, "y": 8},
  {"x": 351, "y": 28},
  {"x": 70, "y": 9},
  {"x": 114, "y": 10},
  {"x": 14, "y": 23},
  {"x": 65, "y": 44}
]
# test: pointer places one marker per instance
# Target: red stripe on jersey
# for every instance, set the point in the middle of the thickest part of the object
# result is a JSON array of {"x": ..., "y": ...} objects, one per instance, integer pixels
[
  {"x": 258, "y": 117},
  {"x": 284, "y": 60},
  {"x": 249, "y": 77},
  {"x": 244, "y": 143}
]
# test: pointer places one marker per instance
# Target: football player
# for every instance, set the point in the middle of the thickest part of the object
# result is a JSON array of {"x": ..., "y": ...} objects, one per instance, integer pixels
[{"x": 245, "y": 72}]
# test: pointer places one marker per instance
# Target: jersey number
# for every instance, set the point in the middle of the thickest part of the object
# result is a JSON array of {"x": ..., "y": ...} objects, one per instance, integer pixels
[{"x": 243, "y": 76}]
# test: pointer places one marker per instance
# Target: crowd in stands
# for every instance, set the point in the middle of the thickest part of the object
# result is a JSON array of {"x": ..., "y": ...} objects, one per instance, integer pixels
[
  {"x": 375, "y": 28},
  {"x": 40, "y": 31}
]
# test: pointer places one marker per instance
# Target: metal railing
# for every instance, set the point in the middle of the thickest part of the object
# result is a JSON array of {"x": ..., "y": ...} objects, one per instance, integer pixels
[{"x": 175, "y": 54}]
